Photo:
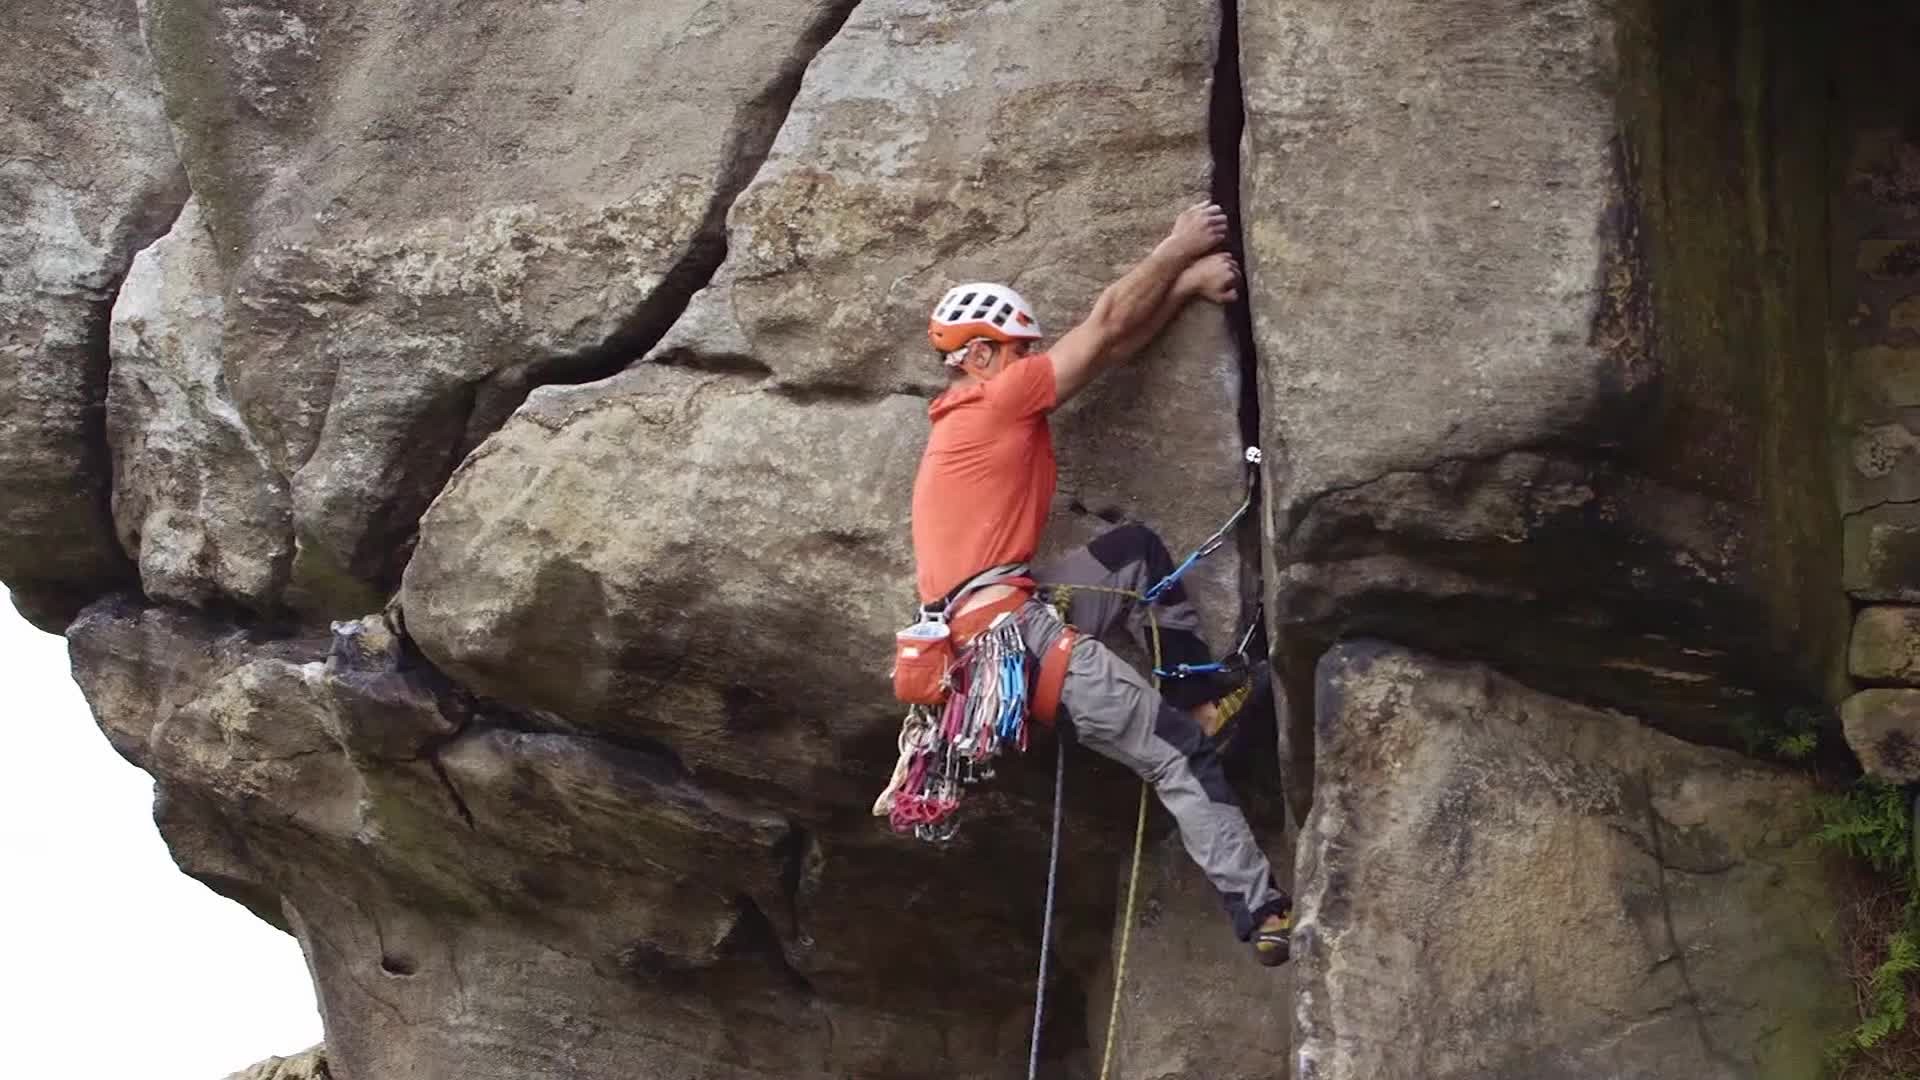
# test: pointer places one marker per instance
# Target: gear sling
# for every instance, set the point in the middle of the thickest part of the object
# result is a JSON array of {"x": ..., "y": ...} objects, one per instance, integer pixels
[{"x": 972, "y": 690}]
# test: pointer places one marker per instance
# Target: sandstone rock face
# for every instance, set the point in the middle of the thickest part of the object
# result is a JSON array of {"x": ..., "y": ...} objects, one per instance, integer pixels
[
  {"x": 309, "y": 1065},
  {"x": 1536, "y": 375},
  {"x": 1497, "y": 883},
  {"x": 737, "y": 510},
  {"x": 1192, "y": 1004},
  {"x": 196, "y": 500},
  {"x": 1883, "y": 728},
  {"x": 511, "y": 442},
  {"x": 1886, "y": 645},
  {"x": 594, "y": 790},
  {"x": 89, "y": 178},
  {"x": 408, "y": 239},
  {"x": 732, "y": 564}
]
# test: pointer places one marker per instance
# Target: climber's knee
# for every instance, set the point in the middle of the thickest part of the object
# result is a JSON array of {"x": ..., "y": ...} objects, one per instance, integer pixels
[{"x": 1131, "y": 544}]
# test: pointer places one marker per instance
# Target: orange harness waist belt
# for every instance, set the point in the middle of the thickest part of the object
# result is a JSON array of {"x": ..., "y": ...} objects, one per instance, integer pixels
[{"x": 1051, "y": 675}]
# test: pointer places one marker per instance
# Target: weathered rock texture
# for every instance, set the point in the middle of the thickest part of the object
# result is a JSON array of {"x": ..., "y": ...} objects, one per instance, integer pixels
[
  {"x": 901, "y": 171},
  {"x": 1883, "y": 728},
  {"x": 88, "y": 178},
  {"x": 593, "y": 790},
  {"x": 415, "y": 220},
  {"x": 1495, "y": 883},
  {"x": 196, "y": 500},
  {"x": 487, "y": 508},
  {"x": 1543, "y": 306},
  {"x": 1886, "y": 645},
  {"x": 309, "y": 1065},
  {"x": 1544, "y": 379}
]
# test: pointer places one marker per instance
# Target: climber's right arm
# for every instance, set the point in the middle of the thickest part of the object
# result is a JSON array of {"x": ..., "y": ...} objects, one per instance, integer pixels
[
  {"x": 1215, "y": 278},
  {"x": 1135, "y": 303}
]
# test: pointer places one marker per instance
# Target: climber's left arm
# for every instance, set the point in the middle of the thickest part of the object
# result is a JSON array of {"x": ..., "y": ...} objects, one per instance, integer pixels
[{"x": 1215, "y": 278}]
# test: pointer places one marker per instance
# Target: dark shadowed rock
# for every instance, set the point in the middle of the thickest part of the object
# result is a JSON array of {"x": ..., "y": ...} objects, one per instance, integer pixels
[{"x": 89, "y": 178}]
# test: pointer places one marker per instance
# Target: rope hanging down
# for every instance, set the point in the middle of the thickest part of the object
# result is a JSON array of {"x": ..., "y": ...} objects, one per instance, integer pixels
[
  {"x": 1060, "y": 597},
  {"x": 1046, "y": 923}
]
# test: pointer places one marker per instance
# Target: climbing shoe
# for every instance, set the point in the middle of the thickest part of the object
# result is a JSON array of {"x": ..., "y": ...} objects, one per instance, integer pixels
[
  {"x": 1273, "y": 941},
  {"x": 1253, "y": 697}
]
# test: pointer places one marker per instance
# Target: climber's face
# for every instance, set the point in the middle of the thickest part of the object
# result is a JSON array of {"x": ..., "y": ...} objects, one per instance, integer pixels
[{"x": 985, "y": 359}]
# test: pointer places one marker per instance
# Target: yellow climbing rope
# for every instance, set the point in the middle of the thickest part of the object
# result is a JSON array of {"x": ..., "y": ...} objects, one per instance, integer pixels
[
  {"x": 1126, "y": 931},
  {"x": 1060, "y": 596}
]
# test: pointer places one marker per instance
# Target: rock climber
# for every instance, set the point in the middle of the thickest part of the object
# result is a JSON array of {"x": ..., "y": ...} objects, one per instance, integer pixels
[{"x": 980, "y": 501}]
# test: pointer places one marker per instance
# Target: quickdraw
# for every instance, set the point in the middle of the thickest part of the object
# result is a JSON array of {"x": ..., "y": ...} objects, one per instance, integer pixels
[
  {"x": 1235, "y": 661},
  {"x": 946, "y": 748}
]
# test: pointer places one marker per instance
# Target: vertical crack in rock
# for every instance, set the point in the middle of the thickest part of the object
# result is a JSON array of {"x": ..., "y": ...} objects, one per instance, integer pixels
[
  {"x": 99, "y": 451},
  {"x": 1293, "y": 662},
  {"x": 1227, "y": 126},
  {"x": 792, "y": 853},
  {"x": 1226, "y": 123},
  {"x": 1676, "y": 951},
  {"x": 1623, "y": 319},
  {"x": 432, "y": 756},
  {"x": 749, "y": 140}
]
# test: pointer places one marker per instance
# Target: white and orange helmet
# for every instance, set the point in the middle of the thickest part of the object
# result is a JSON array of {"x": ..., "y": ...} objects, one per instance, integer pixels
[{"x": 980, "y": 310}]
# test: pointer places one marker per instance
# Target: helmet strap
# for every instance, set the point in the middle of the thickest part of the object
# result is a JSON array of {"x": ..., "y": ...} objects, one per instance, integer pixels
[{"x": 980, "y": 371}]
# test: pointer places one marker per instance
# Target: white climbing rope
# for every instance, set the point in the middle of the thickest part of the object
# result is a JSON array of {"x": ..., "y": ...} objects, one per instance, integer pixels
[{"x": 1046, "y": 921}]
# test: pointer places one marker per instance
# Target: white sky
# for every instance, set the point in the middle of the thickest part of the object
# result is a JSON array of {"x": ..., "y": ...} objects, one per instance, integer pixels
[{"x": 113, "y": 963}]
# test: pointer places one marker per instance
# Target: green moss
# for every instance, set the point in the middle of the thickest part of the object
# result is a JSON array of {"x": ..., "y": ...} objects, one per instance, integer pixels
[{"x": 1790, "y": 736}]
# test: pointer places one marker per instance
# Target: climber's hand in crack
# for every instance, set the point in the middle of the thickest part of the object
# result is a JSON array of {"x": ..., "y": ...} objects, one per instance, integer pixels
[
  {"x": 1215, "y": 278},
  {"x": 1199, "y": 229},
  {"x": 1133, "y": 310}
]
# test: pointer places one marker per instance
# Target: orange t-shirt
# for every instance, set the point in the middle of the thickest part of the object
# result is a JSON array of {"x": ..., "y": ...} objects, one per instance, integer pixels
[{"x": 986, "y": 479}]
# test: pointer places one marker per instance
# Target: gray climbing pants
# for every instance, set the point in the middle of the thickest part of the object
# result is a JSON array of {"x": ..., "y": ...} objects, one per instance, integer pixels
[{"x": 1117, "y": 712}]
